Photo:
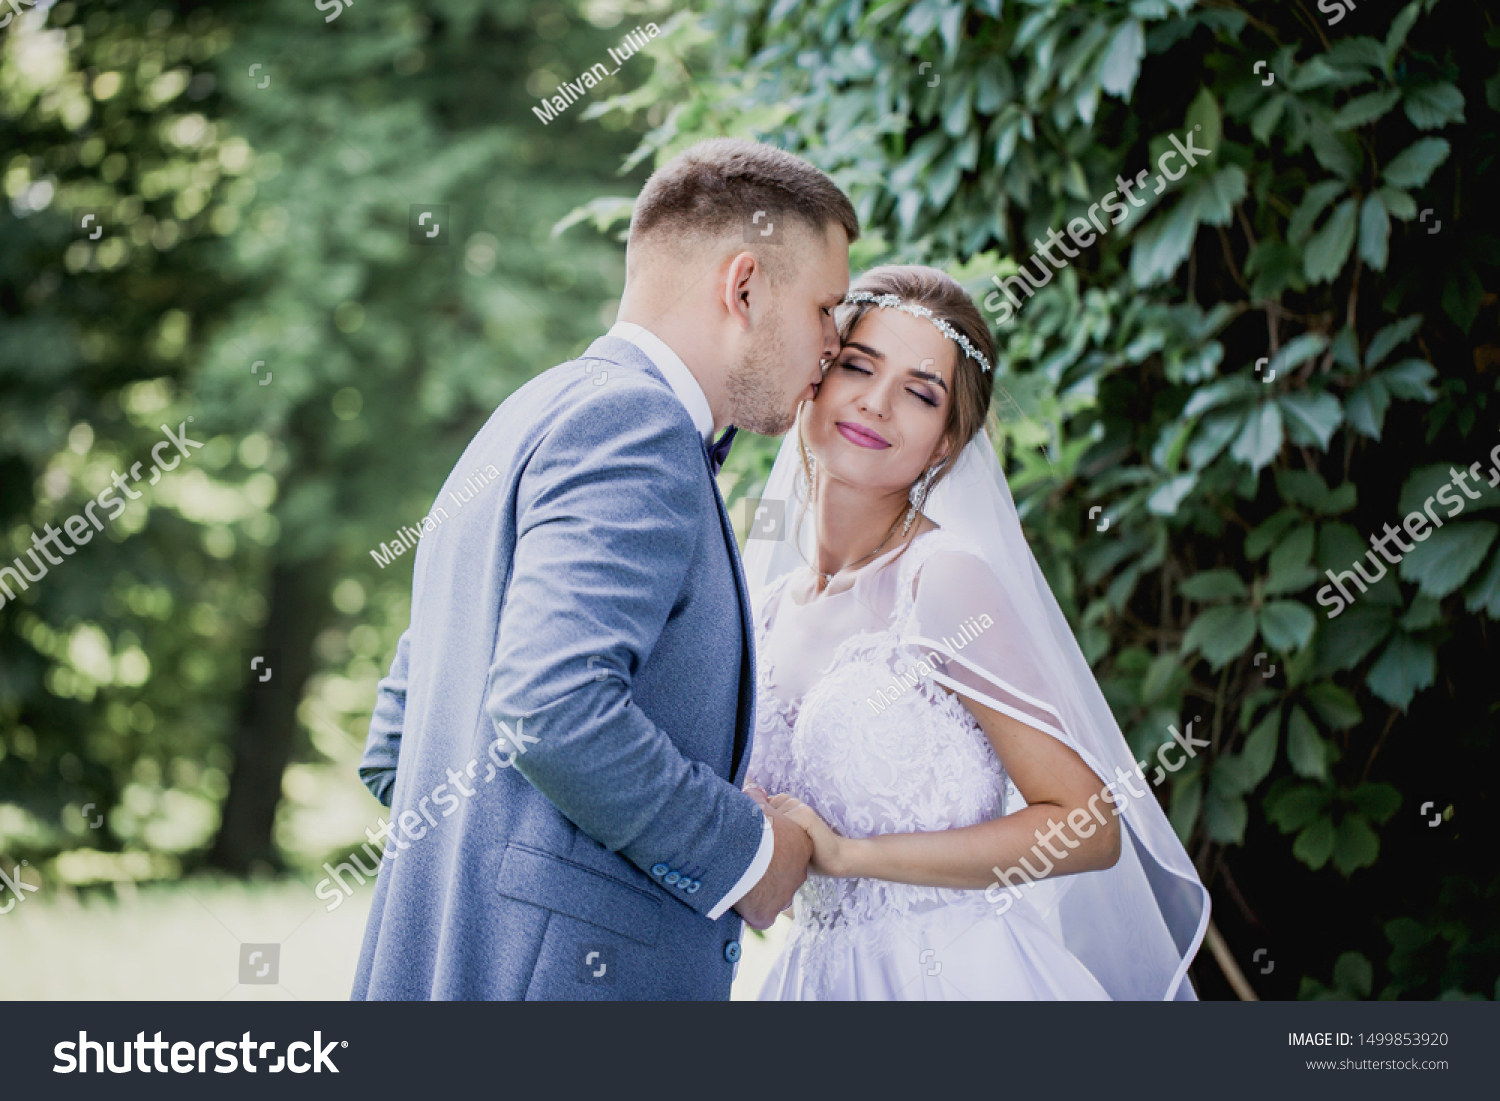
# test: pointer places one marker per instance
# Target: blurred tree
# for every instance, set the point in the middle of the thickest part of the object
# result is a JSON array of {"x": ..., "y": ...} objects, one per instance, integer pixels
[
  {"x": 115, "y": 176},
  {"x": 261, "y": 273},
  {"x": 387, "y": 346}
]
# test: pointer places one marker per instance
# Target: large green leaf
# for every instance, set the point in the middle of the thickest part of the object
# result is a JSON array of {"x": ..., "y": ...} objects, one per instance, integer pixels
[
  {"x": 1236, "y": 388},
  {"x": 1164, "y": 669},
  {"x": 1311, "y": 419},
  {"x": 1374, "y": 232},
  {"x": 1260, "y": 440},
  {"x": 1328, "y": 249},
  {"x": 1205, "y": 117},
  {"x": 1221, "y": 633},
  {"x": 1292, "y": 580},
  {"x": 1314, "y": 845},
  {"x": 1424, "y": 483},
  {"x": 1377, "y": 801},
  {"x": 1404, "y": 668},
  {"x": 1365, "y": 407},
  {"x": 1122, "y": 60},
  {"x": 1220, "y": 193},
  {"x": 1166, "y": 498},
  {"x": 1162, "y": 245},
  {"x": 1286, "y": 625},
  {"x": 1212, "y": 436},
  {"x": 1334, "y": 705},
  {"x": 1355, "y": 845},
  {"x": 1413, "y": 166},
  {"x": 1401, "y": 26},
  {"x": 1484, "y": 594},
  {"x": 1399, "y": 203},
  {"x": 1224, "y": 815},
  {"x": 1293, "y": 551},
  {"x": 1345, "y": 640},
  {"x": 1292, "y": 804},
  {"x": 1365, "y": 109},
  {"x": 1209, "y": 585},
  {"x": 1259, "y": 754},
  {"x": 1353, "y": 974},
  {"x": 1434, "y": 105},
  {"x": 1448, "y": 557},
  {"x": 1304, "y": 748},
  {"x": 1187, "y": 799},
  {"x": 1269, "y": 533},
  {"x": 1307, "y": 487},
  {"x": 1391, "y": 337},
  {"x": 1296, "y": 352},
  {"x": 1318, "y": 198},
  {"x": 1410, "y": 379},
  {"x": 1339, "y": 153}
]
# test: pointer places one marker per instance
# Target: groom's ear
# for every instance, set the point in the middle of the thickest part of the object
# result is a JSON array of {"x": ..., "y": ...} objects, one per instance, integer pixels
[{"x": 746, "y": 288}]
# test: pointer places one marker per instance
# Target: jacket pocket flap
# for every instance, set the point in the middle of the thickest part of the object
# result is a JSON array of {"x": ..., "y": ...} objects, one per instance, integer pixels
[{"x": 554, "y": 883}]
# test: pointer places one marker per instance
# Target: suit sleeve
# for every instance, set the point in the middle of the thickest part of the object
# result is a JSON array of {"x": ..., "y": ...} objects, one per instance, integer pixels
[
  {"x": 608, "y": 513},
  {"x": 377, "y": 768}
]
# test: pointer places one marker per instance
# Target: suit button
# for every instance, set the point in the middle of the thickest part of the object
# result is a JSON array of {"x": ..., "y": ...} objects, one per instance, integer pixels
[
  {"x": 671, "y": 878},
  {"x": 658, "y": 870},
  {"x": 732, "y": 951},
  {"x": 684, "y": 883},
  {"x": 692, "y": 887}
]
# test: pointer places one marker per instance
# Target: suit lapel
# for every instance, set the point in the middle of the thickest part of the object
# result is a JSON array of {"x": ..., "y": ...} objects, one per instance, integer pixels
[{"x": 745, "y": 712}]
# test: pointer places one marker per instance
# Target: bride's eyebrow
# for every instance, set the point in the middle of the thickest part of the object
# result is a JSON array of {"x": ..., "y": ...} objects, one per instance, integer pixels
[{"x": 869, "y": 351}]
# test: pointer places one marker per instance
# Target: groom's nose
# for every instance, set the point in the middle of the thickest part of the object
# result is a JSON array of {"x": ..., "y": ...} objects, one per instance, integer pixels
[{"x": 830, "y": 338}]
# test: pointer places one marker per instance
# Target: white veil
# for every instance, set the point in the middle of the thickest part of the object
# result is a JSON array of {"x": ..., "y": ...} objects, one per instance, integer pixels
[{"x": 1136, "y": 925}]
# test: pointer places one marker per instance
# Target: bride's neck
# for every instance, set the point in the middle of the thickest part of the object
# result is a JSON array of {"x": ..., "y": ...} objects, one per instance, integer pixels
[{"x": 850, "y": 523}]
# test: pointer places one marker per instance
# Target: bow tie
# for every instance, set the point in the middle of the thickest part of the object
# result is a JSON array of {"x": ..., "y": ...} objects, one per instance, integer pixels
[{"x": 720, "y": 450}]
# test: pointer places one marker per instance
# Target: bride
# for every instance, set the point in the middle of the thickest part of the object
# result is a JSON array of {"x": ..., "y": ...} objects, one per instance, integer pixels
[{"x": 980, "y": 829}]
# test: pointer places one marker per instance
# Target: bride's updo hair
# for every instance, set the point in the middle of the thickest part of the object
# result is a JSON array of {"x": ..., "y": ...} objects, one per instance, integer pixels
[{"x": 941, "y": 294}]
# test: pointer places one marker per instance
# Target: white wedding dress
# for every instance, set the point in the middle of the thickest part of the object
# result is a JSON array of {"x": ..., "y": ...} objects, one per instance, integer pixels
[{"x": 850, "y": 721}]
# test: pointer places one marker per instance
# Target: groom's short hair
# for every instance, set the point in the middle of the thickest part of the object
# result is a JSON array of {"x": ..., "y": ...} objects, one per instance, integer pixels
[{"x": 716, "y": 187}]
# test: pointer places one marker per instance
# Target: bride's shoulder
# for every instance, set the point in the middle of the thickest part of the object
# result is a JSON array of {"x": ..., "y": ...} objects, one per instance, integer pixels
[
  {"x": 950, "y": 562},
  {"x": 940, "y": 550}
]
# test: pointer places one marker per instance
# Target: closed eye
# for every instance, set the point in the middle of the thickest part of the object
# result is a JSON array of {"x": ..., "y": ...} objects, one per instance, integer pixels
[{"x": 914, "y": 393}]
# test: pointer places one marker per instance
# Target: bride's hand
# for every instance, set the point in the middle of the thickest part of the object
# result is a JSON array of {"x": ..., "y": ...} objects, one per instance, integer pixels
[{"x": 830, "y": 851}]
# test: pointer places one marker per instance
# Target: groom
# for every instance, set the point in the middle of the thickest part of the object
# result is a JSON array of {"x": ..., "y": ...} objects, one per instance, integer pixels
[{"x": 565, "y": 728}]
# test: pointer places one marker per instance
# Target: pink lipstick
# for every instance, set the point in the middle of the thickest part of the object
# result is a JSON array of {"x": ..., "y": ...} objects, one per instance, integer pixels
[{"x": 861, "y": 436}]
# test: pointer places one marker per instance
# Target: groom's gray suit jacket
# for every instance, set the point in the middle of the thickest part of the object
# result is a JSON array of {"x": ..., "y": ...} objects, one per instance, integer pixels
[{"x": 591, "y": 600}]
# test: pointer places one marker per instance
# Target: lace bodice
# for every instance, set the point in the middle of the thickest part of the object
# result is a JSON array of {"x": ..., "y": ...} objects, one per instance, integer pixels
[{"x": 851, "y": 722}]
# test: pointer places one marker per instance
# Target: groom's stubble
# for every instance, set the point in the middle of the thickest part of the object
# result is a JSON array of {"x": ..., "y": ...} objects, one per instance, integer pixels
[{"x": 756, "y": 384}]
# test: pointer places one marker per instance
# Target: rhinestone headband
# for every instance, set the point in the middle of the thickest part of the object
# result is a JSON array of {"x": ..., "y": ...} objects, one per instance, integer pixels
[{"x": 893, "y": 302}]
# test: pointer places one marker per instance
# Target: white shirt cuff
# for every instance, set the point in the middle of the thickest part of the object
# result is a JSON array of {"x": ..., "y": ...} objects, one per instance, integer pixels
[{"x": 753, "y": 873}]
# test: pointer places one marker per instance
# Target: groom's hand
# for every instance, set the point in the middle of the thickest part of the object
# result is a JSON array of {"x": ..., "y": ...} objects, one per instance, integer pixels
[{"x": 790, "y": 852}]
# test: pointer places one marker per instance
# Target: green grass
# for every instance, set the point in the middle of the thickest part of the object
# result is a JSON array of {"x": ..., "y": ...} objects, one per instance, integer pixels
[{"x": 181, "y": 941}]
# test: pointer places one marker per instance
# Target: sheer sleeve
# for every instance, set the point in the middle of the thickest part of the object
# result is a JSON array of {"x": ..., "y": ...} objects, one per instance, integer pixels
[{"x": 983, "y": 646}]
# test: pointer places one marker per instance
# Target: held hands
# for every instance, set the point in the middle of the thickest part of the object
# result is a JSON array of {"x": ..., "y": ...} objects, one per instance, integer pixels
[
  {"x": 830, "y": 851},
  {"x": 790, "y": 853}
]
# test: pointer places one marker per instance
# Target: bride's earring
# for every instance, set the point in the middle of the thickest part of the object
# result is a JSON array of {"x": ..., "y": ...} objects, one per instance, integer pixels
[
  {"x": 800, "y": 485},
  {"x": 918, "y": 496}
]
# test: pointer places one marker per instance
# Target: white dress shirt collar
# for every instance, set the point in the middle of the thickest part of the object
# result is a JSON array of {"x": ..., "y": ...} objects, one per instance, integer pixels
[{"x": 678, "y": 377}]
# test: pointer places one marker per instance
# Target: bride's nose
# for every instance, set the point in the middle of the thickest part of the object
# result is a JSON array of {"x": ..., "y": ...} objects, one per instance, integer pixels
[{"x": 874, "y": 402}]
